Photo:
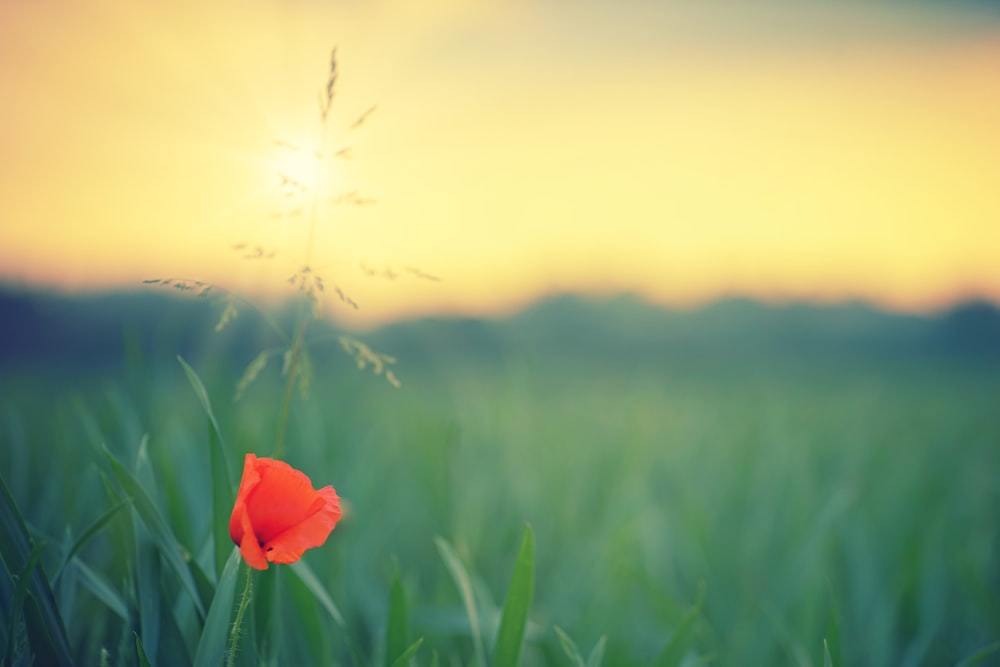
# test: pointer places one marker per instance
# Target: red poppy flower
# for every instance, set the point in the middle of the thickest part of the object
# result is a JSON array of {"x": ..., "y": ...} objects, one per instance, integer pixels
[{"x": 278, "y": 514}]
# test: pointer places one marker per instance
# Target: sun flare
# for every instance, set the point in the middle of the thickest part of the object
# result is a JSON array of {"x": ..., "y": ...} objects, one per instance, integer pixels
[{"x": 304, "y": 170}]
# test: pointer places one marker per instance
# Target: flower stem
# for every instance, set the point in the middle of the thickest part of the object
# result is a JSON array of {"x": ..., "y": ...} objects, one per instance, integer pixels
[{"x": 234, "y": 634}]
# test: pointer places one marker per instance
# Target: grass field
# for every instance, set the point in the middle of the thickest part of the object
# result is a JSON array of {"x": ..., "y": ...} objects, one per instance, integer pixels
[{"x": 751, "y": 515}]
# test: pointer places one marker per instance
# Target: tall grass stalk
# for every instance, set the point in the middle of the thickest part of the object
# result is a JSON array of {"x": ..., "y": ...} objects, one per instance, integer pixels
[
  {"x": 307, "y": 287},
  {"x": 292, "y": 375}
]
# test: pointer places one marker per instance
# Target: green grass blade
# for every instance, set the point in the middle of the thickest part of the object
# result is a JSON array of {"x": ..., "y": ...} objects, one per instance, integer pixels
[
  {"x": 141, "y": 652},
  {"x": 222, "y": 500},
  {"x": 201, "y": 393},
  {"x": 215, "y": 635},
  {"x": 147, "y": 564},
  {"x": 312, "y": 582},
  {"x": 17, "y": 602},
  {"x": 147, "y": 586},
  {"x": 596, "y": 657},
  {"x": 464, "y": 585},
  {"x": 569, "y": 647},
  {"x": 266, "y": 605},
  {"x": 827, "y": 658},
  {"x": 15, "y": 547},
  {"x": 204, "y": 585},
  {"x": 44, "y": 624},
  {"x": 222, "y": 485},
  {"x": 517, "y": 606},
  {"x": 405, "y": 656},
  {"x": 396, "y": 628},
  {"x": 87, "y": 535},
  {"x": 831, "y": 643},
  {"x": 675, "y": 648},
  {"x": 309, "y": 579},
  {"x": 979, "y": 656},
  {"x": 102, "y": 590},
  {"x": 170, "y": 549}
]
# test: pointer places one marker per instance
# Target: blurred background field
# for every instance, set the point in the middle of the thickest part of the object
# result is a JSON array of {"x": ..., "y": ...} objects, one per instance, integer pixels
[{"x": 827, "y": 475}]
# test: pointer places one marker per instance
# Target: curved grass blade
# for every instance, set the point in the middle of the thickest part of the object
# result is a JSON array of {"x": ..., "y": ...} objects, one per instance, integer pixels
[
  {"x": 222, "y": 485},
  {"x": 596, "y": 657},
  {"x": 675, "y": 648},
  {"x": 201, "y": 393},
  {"x": 87, "y": 535},
  {"x": 212, "y": 645},
  {"x": 831, "y": 643},
  {"x": 979, "y": 656},
  {"x": 17, "y": 602},
  {"x": 42, "y": 620},
  {"x": 169, "y": 547},
  {"x": 103, "y": 591},
  {"x": 405, "y": 656},
  {"x": 517, "y": 606},
  {"x": 569, "y": 647},
  {"x": 312, "y": 582},
  {"x": 147, "y": 585},
  {"x": 309, "y": 579},
  {"x": 222, "y": 500},
  {"x": 141, "y": 652},
  {"x": 396, "y": 629},
  {"x": 461, "y": 578}
]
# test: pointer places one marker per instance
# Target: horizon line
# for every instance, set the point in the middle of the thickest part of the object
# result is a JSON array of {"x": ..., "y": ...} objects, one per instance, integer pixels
[{"x": 335, "y": 315}]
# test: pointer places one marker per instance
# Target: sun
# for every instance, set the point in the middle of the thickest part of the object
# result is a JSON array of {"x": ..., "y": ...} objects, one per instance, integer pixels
[{"x": 300, "y": 169}]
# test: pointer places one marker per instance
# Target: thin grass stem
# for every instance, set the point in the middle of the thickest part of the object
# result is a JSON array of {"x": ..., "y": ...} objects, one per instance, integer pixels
[{"x": 293, "y": 367}]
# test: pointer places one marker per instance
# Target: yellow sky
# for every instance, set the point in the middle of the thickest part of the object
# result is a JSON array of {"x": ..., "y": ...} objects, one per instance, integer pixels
[{"x": 682, "y": 150}]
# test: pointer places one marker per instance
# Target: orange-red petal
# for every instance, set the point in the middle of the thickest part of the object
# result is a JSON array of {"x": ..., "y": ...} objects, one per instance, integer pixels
[
  {"x": 311, "y": 532},
  {"x": 278, "y": 515},
  {"x": 251, "y": 478},
  {"x": 250, "y": 547}
]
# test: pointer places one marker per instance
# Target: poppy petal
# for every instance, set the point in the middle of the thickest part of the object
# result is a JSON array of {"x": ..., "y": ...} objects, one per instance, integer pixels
[
  {"x": 278, "y": 514},
  {"x": 284, "y": 498},
  {"x": 311, "y": 532},
  {"x": 250, "y": 548},
  {"x": 251, "y": 478}
]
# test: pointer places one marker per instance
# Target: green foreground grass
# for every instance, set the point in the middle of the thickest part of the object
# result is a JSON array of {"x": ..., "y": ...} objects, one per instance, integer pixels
[{"x": 741, "y": 517}]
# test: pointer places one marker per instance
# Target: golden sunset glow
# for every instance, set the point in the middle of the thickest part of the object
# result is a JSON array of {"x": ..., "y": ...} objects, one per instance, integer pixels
[{"x": 680, "y": 150}]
